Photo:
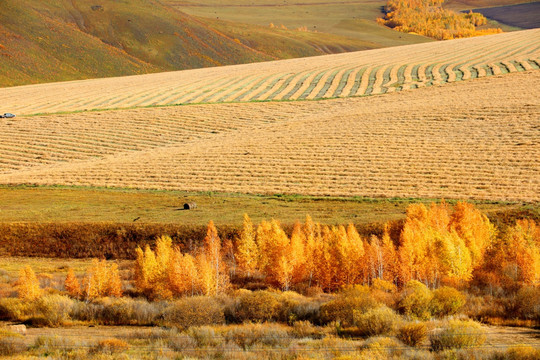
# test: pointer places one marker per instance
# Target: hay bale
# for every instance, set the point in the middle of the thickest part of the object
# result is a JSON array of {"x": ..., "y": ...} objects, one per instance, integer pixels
[{"x": 190, "y": 206}]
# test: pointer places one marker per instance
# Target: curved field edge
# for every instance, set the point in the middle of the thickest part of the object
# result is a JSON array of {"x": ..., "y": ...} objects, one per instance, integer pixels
[{"x": 341, "y": 75}]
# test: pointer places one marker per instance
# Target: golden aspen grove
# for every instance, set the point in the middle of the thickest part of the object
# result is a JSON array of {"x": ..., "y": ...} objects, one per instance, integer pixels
[
  {"x": 429, "y": 18},
  {"x": 438, "y": 245}
]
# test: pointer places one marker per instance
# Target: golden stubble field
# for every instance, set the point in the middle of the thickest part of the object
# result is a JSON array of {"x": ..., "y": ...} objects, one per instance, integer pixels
[
  {"x": 330, "y": 76},
  {"x": 472, "y": 139}
]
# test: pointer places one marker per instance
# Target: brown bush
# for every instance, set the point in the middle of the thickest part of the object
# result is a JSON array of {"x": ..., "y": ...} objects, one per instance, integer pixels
[
  {"x": 118, "y": 311},
  {"x": 526, "y": 304},
  {"x": 111, "y": 346},
  {"x": 457, "y": 334},
  {"x": 248, "y": 335},
  {"x": 11, "y": 345},
  {"x": 415, "y": 300},
  {"x": 257, "y": 306},
  {"x": 377, "y": 321},
  {"x": 412, "y": 334},
  {"x": 194, "y": 311},
  {"x": 99, "y": 240},
  {"x": 343, "y": 307}
]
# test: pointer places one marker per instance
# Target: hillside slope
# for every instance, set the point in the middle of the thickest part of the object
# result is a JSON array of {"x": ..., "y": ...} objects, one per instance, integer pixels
[
  {"x": 339, "y": 75},
  {"x": 44, "y": 41}
]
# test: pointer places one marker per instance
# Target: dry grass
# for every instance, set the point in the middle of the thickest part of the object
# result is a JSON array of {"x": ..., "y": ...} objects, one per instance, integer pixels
[
  {"x": 343, "y": 75},
  {"x": 474, "y": 139}
]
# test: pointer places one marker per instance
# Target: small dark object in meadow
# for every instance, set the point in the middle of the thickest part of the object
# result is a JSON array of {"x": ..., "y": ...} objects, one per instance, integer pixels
[
  {"x": 190, "y": 206},
  {"x": 97, "y": 7}
]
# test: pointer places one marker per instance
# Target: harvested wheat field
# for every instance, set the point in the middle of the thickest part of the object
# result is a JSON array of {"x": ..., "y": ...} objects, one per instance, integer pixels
[
  {"x": 342, "y": 75},
  {"x": 475, "y": 139}
]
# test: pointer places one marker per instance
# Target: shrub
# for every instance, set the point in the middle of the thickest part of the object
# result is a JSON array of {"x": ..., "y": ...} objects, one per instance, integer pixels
[
  {"x": 527, "y": 303},
  {"x": 357, "y": 299},
  {"x": 117, "y": 311},
  {"x": 54, "y": 309},
  {"x": 377, "y": 321},
  {"x": 248, "y": 335},
  {"x": 380, "y": 347},
  {"x": 111, "y": 346},
  {"x": 384, "y": 292},
  {"x": 446, "y": 301},
  {"x": 305, "y": 329},
  {"x": 205, "y": 336},
  {"x": 412, "y": 334},
  {"x": 183, "y": 343},
  {"x": 194, "y": 311},
  {"x": 415, "y": 300},
  {"x": 522, "y": 352},
  {"x": 257, "y": 306},
  {"x": 11, "y": 345},
  {"x": 14, "y": 309},
  {"x": 50, "y": 344},
  {"x": 456, "y": 335}
]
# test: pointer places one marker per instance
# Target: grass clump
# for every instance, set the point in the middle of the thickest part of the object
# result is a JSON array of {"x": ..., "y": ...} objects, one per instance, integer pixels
[
  {"x": 11, "y": 343},
  {"x": 457, "y": 334},
  {"x": 412, "y": 334},
  {"x": 110, "y": 346}
]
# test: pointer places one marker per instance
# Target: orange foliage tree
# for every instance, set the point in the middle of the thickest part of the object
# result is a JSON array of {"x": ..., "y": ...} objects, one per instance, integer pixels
[
  {"x": 101, "y": 279},
  {"x": 28, "y": 284},
  {"x": 429, "y": 18},
  {"x": 72, "y": 284}
]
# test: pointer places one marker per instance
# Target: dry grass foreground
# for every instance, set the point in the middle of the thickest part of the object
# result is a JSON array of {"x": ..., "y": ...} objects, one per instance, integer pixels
[
  {"x": 476, "y": 139},
  {"x": 342, "y": 75}
]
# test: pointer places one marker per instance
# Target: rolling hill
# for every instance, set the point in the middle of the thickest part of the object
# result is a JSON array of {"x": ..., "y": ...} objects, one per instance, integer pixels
[
  {"x": 339, "y": 75},
  {"x": 44, "y": 41},
  {"x": 444, "y": 137}
]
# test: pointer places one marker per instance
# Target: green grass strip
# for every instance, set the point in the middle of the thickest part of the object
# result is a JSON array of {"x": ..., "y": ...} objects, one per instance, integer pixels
[
  {"x": 282, "y": 87},
  {"x": 314, "y": 83},
  {"x": 371, "y": 80},
  {"x": 327, "y": 84},
  {"x": 297, "y": 86},
  {"x": 268, "y": 87},
  {"x": 357, "y": 81},
  {"x": 474, "y": 72},
  {"x": 254, "y": 87},
  {"x": 342, "y": 82}
]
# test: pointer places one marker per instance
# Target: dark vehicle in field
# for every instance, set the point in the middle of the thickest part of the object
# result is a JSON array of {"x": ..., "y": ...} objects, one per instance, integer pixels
[{"x": 7, "y": 116}]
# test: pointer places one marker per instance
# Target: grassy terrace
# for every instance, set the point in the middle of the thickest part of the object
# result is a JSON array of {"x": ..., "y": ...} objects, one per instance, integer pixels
[{"x": 78, "y": 204}]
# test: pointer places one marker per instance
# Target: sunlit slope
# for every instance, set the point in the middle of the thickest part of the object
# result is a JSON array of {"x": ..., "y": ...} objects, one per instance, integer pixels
[
  {"x": 475, "y": 139},
  {"x": 45, "y": 41},
  {"x": 341, "y": 75}
]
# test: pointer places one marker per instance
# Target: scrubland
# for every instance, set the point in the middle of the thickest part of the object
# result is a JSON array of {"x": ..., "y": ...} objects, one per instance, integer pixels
[{"x": 315, "y": 292}]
